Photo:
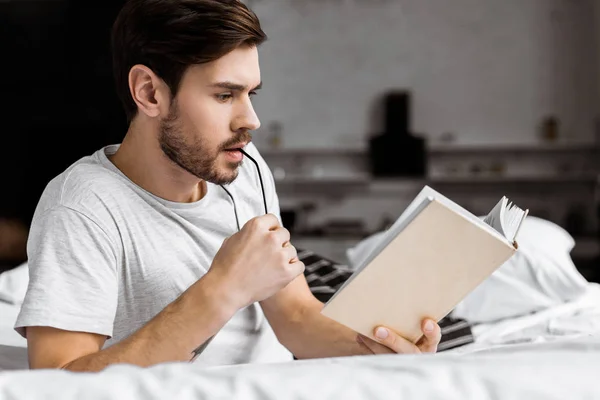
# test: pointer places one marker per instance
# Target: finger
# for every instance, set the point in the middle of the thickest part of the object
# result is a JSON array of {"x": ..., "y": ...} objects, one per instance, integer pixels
[
  {"x": 281, "y": 236},
  {"x": 261, "y": 224},
  {"x": 267, "y": 222},
  {"x": 290, "y": 252},
  {"x": 392, "y": 340},
  {"x": 373, "y": 346},
  {"x": 271, "y": 221},
  {"x": 298, "y": 267},
  {"x": 432, "y": 334}
]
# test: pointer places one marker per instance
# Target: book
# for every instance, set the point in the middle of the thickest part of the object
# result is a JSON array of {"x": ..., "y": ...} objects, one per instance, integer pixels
[{"x": 432, "y": 257}]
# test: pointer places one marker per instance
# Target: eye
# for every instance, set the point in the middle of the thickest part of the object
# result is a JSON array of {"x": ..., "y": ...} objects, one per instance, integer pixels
[
  {"x": 224, "y": 97},
  {"x": 252, "y": 94}
]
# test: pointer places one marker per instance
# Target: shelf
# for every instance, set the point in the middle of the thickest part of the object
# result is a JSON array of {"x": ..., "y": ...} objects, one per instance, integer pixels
[
  {"x": 329, "y": 186},
  {"x": 441, "y": 149},
  {"x": 325, "y": 180},
  {"x": 516, "y": 179},
  {"x": 407, "y": 182},
  {"x": 312, "y": 152},
  {"x": 509, "y": 148}
]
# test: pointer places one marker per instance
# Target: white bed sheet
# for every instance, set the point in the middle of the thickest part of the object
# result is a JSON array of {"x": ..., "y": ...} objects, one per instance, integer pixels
[
  {"x": 553, "y": 354},
  {"x": 574, "y": 319},
  {"x": 554, "y": 370},
  {"x": 8, "y": 317},
  {"x": 559, "y": 358},
  {"x": 13, "y": 347}
]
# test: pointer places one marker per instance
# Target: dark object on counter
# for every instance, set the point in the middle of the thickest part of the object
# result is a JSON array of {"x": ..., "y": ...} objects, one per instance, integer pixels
[
  {"x": 550, "y": 127},
  {"x": 396, "y": 152},
  {"x": 397, "y": 112}
]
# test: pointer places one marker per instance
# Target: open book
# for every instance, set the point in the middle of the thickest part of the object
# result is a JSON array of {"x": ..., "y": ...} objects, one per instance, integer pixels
[{"x": 435, "y": 254}]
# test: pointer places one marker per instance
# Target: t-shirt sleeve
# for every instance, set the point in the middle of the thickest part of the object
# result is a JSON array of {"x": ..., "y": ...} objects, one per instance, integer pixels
[{"x": 72, "y": 275}]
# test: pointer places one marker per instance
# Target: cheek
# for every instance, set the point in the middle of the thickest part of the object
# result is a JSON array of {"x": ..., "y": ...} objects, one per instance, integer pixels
[{"x": 208, "y": 121}]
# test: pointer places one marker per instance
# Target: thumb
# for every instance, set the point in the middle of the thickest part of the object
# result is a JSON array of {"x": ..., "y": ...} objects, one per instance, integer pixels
[{"x": 432, "y": 335}]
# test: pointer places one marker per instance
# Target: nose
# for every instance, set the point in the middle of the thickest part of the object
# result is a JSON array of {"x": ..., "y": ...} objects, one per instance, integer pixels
[{"x": 246, "y": 118}]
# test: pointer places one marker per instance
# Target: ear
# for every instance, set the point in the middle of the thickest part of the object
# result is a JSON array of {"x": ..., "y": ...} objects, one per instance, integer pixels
[{"x": 149, "y": 92}]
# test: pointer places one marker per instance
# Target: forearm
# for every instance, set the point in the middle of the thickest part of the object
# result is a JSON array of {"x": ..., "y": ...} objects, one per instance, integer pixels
[
  {"x": 173, "y": 334},
  {"x": 312, "y": 335}
]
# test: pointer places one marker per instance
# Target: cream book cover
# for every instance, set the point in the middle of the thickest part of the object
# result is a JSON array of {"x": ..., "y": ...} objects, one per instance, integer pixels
[{"x": 435, "y": 254}]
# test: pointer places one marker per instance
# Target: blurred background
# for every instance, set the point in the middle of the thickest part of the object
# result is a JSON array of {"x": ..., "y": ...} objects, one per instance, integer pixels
[{"x": 364, "y": 102}]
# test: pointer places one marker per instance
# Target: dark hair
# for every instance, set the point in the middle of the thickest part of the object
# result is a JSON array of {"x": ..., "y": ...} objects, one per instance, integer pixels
[{"x": 168, "y": 36}]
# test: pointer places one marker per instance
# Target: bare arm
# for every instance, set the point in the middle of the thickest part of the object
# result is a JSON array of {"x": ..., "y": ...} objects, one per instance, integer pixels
[
  {"x": 250, "y": 266},
  {"x": 172, "y": 335},
  {"x": 295, "y": 315}
]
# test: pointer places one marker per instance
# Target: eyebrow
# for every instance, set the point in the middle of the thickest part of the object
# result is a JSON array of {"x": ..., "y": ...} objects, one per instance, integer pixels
[{"x": 234, "y": 86}]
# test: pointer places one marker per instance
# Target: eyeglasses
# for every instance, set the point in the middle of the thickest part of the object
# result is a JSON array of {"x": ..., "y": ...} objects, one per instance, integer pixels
[
  {"x": 203, "y": 346},
  {"x": 262, "y": 186}
]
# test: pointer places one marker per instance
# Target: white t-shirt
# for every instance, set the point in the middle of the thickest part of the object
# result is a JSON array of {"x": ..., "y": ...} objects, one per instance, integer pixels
[{"x": 105, "y": 256}]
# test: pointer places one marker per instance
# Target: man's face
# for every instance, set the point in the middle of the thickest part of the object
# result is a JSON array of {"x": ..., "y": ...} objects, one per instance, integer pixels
[{"x": 212, "y": 115}]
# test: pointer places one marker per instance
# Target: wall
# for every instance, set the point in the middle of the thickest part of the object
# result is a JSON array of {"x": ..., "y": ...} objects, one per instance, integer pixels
[
  {"x": 597, "y": 45},
  {"x": 487, "y": 70}
]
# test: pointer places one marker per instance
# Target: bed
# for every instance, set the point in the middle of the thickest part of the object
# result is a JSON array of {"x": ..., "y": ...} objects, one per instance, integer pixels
[{"x": 535, "y": 324}]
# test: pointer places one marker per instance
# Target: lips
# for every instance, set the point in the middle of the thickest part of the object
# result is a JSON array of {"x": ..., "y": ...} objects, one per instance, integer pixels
[{"x": 237, "y": 147}]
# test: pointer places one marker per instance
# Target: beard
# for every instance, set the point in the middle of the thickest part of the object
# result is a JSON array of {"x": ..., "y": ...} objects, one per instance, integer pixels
[{"x": 193, "y": 154}]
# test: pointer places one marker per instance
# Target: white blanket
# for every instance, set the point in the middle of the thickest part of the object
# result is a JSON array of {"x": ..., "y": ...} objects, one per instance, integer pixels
[
  {"x": 560, "y": 359},
  {"x": 8, "y": 335},
  {"x": 552, "y": 354},
  {"x": 577, "y": 318},
  {"x": 558, "y": 370}
]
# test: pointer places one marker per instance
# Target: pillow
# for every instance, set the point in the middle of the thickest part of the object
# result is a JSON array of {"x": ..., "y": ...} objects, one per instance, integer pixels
[
  {"x": 13, "y": 284},
  {"x": 358, "y": 254},
  {"x": 540, "y": 274}
]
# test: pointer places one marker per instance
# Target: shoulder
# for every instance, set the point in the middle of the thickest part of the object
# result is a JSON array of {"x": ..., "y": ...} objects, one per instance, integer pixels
[
  {"x": 87, "y": 187},
  {"x": 82, "y": 183}
]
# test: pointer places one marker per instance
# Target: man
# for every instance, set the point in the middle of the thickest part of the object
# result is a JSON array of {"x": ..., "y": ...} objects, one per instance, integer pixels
[{"x": 134, "y": 252}]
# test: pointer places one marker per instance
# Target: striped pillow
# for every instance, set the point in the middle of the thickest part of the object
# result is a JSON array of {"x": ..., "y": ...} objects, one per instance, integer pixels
[{"x": 325, "y": 277}]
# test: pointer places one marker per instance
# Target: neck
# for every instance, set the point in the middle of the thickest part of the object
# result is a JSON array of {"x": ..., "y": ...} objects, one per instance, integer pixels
[{"x": 141, "y": 159}]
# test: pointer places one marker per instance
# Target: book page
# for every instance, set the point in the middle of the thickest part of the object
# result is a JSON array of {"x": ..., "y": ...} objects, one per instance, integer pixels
[
  {"x": 496, "y": 217},
  {"x": 506, "y": 218},
  {"x": 513, "y": 218}
]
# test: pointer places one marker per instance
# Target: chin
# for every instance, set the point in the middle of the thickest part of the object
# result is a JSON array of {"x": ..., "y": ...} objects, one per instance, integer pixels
[{"x": 226, "y": 175}]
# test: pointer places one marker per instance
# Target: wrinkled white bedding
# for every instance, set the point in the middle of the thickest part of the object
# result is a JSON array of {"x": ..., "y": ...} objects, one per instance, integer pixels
[
  {"x": 557, "y": 370},
  {"x": 574, "y": 319},
  {"x": 8, "y": 335},
  {"x": 552, "y": 353}
]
